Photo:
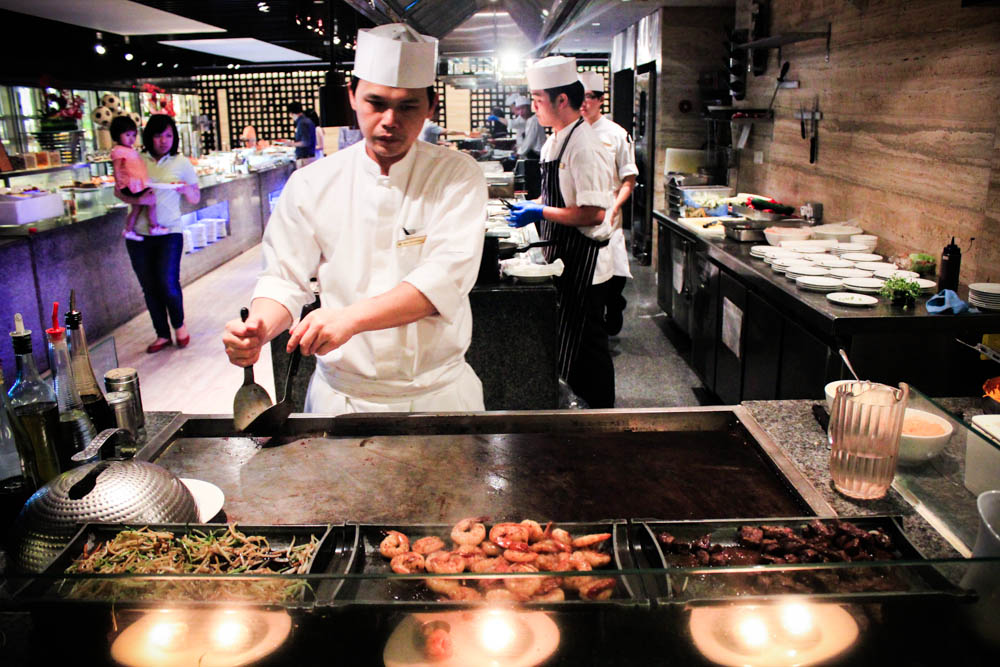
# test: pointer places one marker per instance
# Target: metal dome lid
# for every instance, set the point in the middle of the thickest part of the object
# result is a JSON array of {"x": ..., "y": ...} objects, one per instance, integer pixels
[{"x": 103, "y": 492}]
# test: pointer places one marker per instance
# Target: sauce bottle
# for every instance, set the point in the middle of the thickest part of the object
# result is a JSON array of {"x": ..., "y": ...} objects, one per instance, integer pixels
[{"x": 951, "y": 262}]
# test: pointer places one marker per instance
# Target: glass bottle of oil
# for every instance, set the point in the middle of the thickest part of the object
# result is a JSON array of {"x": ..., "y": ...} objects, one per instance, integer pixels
[
  {"x": 75, "y": 428},
  {"x": 90, "y": 392},
  {"x": 34, "y": 403}
]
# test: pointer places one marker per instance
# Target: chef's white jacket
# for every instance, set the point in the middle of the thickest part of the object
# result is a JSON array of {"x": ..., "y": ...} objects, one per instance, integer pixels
[
  {"x": 585, "y": 179},
  {"x": 362, "y": 234},
  {"x": 531, "y": 137},
  {"x": 619, "y": 144}
]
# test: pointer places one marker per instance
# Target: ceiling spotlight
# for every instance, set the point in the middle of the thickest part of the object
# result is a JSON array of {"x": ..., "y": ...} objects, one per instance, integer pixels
[
  {"x": 176, "y": 65},
  {"x": 230, "y": 66},
  {"x": 336, "y": 39},
  {"x": 263, "y": 7},
  {"x": 159, "y": 64},
  {"x": 129, "y": 56},
  {"x": 98, "y": 47},
  {"x": 545, "y": 12},
  {"x": 143, "y": 63},
  {"x": 236, "y": 66}
]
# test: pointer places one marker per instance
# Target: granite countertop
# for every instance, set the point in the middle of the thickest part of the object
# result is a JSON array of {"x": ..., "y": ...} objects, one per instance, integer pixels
[
  {"x": 793, "y": 427},
  {"x": 816, "y": 308}
]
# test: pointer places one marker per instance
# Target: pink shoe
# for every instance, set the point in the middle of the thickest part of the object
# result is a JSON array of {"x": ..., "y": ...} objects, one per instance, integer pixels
[
  {"x": 131, "y": 236},
  {"x": 158, "y": 230}
]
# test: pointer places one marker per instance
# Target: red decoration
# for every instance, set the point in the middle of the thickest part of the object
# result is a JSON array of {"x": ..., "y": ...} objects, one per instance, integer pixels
[{"x": 158, "y": 104}]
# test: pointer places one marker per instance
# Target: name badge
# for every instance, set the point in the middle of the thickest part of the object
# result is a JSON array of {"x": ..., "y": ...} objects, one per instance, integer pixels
[{"x": 411, "y": 240}]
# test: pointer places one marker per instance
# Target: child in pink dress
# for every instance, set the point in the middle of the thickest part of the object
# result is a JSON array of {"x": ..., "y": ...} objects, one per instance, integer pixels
[{"x": 131, "y": 176}]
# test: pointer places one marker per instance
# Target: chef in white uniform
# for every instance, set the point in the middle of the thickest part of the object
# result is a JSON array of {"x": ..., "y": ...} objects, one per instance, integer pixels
[
  {"x": 392, "y": 228},
  {"x": 619, "y": 143}
]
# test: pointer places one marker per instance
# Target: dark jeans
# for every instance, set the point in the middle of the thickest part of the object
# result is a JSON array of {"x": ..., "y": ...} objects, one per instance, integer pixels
[
  {"x": 156, "y": 261},
  {"x": 592, "y": 377}
]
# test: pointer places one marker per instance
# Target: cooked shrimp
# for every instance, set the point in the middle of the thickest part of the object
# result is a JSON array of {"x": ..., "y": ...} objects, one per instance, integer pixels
[
  {"x": 595, "y": 558},
  {"x": 468, "y": 531},
  {"x": 444, "y": 562},
  {"x": 523, "y": 586},
  {"x": 490, "y": 549},
  {"x": 535, "y": 531},
  {"x": 590, "y": 540},
  {"x": 428, "y": 545},
  {"x": 407, "y": 563},
  {"x": 470, "y": 553},
  {"x": 560, "y": 535},
  {"x": 555, "y": 595},
  {"x": 597, "y": 589},
  {"x": 440, "y": 585},
  {"x": 520, "y": 552},
  {"x": 464, "y": 593},
  {"x": 549, "y": 584},
  {"x": 395, "y": 543},
  {"x": 559, "y": 562},
  {"x": 437, "y": 646},
  {"x": 579, "y": 565},
  {"x": 504, "y": 534},
  {"x": 501, "y": 595},
  {"x": 550, "y": 547},
  {"x": 490, "y": 565}
]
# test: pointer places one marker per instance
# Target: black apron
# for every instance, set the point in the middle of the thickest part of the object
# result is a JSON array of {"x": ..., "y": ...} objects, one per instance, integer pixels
[{"x": 579, "y": 255}]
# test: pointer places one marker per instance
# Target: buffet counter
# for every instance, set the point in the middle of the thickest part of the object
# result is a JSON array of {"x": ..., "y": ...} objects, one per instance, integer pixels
[
  {"x": 756, "y": 335},
  {"x": 626, "y": 483},
  {"x": 41, "y": 262}
]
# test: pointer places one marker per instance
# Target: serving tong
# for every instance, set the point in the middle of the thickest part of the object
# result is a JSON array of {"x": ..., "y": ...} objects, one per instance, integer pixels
[{"x": 985, "y": 350}]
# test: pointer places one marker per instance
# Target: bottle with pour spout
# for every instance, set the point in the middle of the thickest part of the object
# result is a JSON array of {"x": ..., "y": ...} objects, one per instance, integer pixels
[
  {"x": 90, "y": 392},
  {"x": 17, "y": 458},
  {"x": 34, "y": 404},
  {"x": 76, "y": 430}
]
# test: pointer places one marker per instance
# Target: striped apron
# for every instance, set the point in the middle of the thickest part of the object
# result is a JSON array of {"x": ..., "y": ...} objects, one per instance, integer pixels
[{"x": 578, "y": 253}]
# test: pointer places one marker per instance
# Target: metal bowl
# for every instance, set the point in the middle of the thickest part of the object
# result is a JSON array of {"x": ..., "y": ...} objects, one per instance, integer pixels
[{"x": 104, "y": 492}]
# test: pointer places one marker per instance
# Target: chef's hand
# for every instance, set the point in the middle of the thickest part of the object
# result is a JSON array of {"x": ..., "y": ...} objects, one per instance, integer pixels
[
  {"x": 243, "y": 340},
  {"x": 525, "y": 213},
  {"x": 492, "y": 118},
  {"x": 321, "y": 331}
]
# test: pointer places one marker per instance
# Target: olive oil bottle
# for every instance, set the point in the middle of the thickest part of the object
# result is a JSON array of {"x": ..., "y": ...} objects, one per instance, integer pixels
[{"x": 34, "y": 404}]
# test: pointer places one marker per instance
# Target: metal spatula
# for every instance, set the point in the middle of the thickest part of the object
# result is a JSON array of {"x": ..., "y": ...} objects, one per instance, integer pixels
[
  {"x": 272, "y": 420},
  {"x": 251, "y": 399}
]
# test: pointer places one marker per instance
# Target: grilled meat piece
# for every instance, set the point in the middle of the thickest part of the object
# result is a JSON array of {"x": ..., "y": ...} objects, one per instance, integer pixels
[{"x": 750, "y": 536}]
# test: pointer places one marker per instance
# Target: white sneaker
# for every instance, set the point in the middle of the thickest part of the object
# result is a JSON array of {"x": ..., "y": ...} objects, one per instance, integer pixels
[
  {"x": 131, "y": 236},
  {"x": 158, "y": 230}
]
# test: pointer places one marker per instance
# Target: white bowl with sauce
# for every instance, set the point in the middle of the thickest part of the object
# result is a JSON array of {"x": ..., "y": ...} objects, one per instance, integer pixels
[{"x": 924, "y": 436}]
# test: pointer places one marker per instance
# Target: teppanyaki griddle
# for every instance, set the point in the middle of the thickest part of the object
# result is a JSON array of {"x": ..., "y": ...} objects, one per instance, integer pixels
[{"x": 693, "y": 463}]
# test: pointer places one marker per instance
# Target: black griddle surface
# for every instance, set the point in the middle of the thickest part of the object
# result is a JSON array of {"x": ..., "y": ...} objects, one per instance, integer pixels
[{"x": 578, "y": 476}]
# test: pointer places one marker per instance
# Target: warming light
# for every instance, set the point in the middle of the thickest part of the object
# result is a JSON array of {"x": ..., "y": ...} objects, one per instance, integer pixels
[
  {"x": 796, "y": 619},
  {"x": 497, "y": 632},
  {"x": 752, "y": 630},
  {"x": 167, "y": 634},
  {"x": 511, "y": 62}
]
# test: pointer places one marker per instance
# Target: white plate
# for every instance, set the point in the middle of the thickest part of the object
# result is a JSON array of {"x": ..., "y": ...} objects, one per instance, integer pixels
[
  {"x": 805, "y": 270},
  {"x": 896, "y": 273},
  {"x": 864, "y": 283},
  {"x": 207, "y": 496},
  {"x": 819, "y": 282},
  {"x": 926, "y": 285},
  {"x": 835, "y": 263},
  {"x": 862, "y": 257},
  {"x": 850, "y": 247},
  {"x": 167, "y": 186},
  {"x": 850, "y": 273},
  {"x": 876, "y": 266},
  {"x": 851, "y": 299},
  {"x": 985, "y": 288}
]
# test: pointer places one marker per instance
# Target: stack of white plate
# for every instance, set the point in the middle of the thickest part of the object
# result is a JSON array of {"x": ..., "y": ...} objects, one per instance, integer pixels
[
  {"x": 861, "y": 257},
  {"x": 221, "y": 230},
  {"x": 809, "y": 245},
  {"x": 802, "y": 270},
  {"x": 835, "y": 263},
  {"x": 866, "y": 285},
  {"x": 869, "y": 241},
  {"x": 885, "y": 274},
  {"x": 784, "y": 258},
  {"x": 814, "y": 256},
  {"x": 876, "y": 266},
  {"x": 780, "y": 266},
  {"x": 850, "y": 273},
  {"x": 849, "y": 247},
  {"x": 760, "y": 251},
  {"x": 188, "y": 244},
  {"x": 985, "y": 295},
  {"x": 819, "y": 283},
  {"x": 926, "y": 286},
  {"x": 198, "y": 237}
]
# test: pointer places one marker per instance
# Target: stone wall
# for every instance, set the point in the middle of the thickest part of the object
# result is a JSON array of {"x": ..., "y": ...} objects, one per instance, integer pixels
[{"x": 909, "y": 144}]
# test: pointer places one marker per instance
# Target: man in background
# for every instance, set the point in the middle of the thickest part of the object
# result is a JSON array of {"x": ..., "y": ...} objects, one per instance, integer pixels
[
  {"x": 619, "y": 144},
  {"x": 305, "y": 135}
]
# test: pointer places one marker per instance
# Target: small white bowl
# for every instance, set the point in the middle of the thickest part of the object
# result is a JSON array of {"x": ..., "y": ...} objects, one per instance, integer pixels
[
  {"x": 914, "y": 449},
  {"x": 867, "y": 240},
  {"x": 831, "y": 389},
  {"x": 838, "y": 232},
  {"x": 775, "y": 235}
]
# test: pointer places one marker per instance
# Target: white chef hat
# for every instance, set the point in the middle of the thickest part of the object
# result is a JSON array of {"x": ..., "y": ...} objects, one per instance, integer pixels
[
  {"x": 396, "y": 55},
  {"x": 551, "y": 72},
  {"x": 592, "y": 81},
  {"x": 512, "y": 99},
  {"x": 521, "y": 100}
]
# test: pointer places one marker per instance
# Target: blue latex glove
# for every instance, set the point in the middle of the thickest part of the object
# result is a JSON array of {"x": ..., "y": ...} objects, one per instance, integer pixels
[
  {"x": 946, "y": 300},
  {"x": 525, "y": 213},
  {"x": 492, "y": 117}
]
